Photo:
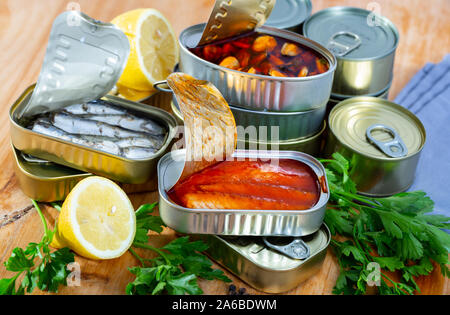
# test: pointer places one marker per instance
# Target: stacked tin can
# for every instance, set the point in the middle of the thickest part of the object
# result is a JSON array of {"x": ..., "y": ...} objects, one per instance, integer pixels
[{"x": 364, "y": 44}]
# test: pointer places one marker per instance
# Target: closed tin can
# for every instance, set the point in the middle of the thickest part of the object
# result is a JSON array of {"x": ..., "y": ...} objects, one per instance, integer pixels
[
  {"x": 261, "y": 92},
  {"x": 311, "y": 145},
  {"x": 382, "y": 139},
  {"x": 265, "y": 269},
  {"x": 364, "y": 44},
  {"x": 240, "y": 221},
  {"x": 85, "y": 158},
  {"x": 289, "y": 15}
]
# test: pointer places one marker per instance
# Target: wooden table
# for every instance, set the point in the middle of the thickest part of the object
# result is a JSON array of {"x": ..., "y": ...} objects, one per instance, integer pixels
[{"x": 24, "y": 31}]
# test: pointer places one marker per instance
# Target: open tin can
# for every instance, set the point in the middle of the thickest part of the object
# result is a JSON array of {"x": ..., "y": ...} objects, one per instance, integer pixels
[
  {"x": 382, "y": 139},
  {"x": 263, "y": 268},
  {"x": 261, "y": 92},
  {"x": 240, "y": 221},
  {"x": 83, "y": 61},
  {"x": 364, "y": 44}
]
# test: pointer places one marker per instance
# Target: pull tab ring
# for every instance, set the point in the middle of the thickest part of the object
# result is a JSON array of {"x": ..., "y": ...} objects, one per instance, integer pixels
[
  {"x": 395, "y": 148},
  {"x": 297, "y": 249},
  {"x": 341, "y": 49},
  {"x": 157, "y": 85}
]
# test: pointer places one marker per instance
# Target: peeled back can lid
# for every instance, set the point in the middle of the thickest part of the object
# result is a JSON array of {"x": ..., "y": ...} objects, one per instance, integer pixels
[
  {"x": 377, "y": 128},
  {"x": 289, "y": 14},
  {"x": 352, "y": 33}
]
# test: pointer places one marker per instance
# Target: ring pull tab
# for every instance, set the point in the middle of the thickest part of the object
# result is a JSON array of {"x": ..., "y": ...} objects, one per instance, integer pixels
[
  {"x": 341, "y": 49},
  {"x": 297, "y": 249},
  {"x": 395, "y": 148},
  {"x": 157, "y": 86}
]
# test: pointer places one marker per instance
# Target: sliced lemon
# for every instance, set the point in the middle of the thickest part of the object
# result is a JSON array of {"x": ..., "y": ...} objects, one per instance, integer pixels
[
  {"x": 133, "y": 95},
  {"x": 97, "y": 220},
  {"x": 154, "y": 48}
]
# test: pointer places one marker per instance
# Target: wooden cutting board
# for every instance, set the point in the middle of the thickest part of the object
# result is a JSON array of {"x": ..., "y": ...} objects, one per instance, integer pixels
[{"x": 24, "y": 31}]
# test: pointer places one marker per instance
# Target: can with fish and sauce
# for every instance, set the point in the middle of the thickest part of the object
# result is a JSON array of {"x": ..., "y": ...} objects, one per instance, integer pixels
[
  {"x": 304, "y": 88},
  {"x": 214, "y": 219},
  {"x": 289, "y": 15},
  {"x": 69, "y": 119},
  {"x": 382, "y": 139},
  {"x": 364, "y": 44},
  {"x": 263, "y": 268}
]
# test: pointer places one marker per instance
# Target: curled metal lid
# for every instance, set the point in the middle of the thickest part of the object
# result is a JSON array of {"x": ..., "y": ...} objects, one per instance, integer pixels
[
  {"x": 377, "y": 128},
  {"x": 83, "y": 61},
  {"x": 352, "y": 33},
  {"x": 289, "y": 14},
  {"x": 231, "y": 18}
]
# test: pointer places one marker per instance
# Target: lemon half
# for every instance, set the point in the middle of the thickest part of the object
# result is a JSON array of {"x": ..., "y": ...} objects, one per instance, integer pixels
[
  {"x": 97, "y": 220},
  {"x": 154, "y": 48}
]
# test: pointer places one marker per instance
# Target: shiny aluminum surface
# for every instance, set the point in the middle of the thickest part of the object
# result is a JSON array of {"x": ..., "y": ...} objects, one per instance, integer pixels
[
  {"x": 265, "y": 269},
  {"x": 87, "y": 159},
  {"x": 260, "y": 92},
  {"x": 290, "y": 15},
  {"x": 239, "y": 222},
  {"x": 374, "y": 172},
  {"x": 233, "y": 18},
  {"x": 364, "y": 44}
]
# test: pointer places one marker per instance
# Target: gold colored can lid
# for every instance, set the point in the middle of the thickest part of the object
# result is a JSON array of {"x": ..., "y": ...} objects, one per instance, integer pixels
[{"x": 377, "y": 128}]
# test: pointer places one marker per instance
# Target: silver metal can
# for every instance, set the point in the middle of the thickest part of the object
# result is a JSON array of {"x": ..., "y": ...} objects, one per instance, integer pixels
[
  {"x": 364, "y": 44},
  {"x": 240, "y": 221},
  {"x": 289, "y": 15},
  {"x": 261, "y": 92},
  {"x": 382, "y": 139}
]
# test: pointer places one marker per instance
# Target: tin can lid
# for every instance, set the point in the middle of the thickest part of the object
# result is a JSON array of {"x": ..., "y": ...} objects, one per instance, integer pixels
[
  {"x": 289, "y": 14},
  {"x": 352, "y": 33},
  {"x": 377, "y": 128},
  {"x": 83, "y": 62}
]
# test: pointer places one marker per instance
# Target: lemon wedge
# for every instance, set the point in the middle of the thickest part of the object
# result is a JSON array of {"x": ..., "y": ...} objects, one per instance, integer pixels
[
  {"x": 97, "y": 220},
  {"x": 154, "y": 48}
]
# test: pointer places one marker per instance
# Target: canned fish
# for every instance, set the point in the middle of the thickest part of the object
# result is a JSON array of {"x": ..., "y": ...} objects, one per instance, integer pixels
[
  {"x": 364, "y": 44},
  {"x": 240, "y": 221},
  {"x": 382, "y": 139},
  {"x": 265, "y": 269},
  {"x": 289, "y": 15}
]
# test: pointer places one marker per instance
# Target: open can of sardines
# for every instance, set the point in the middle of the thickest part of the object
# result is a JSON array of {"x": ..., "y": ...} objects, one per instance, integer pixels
[{"x": 69, "y": 119}]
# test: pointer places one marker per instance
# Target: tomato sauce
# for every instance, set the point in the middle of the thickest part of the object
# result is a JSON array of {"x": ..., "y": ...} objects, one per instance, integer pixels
[
  {"x": 258, "y": 53},
  {"x": 249, "y": 185}
]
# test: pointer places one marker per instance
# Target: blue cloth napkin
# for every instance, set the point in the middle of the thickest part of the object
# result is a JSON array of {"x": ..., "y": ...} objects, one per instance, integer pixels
[{"x": 427, "y": 95}]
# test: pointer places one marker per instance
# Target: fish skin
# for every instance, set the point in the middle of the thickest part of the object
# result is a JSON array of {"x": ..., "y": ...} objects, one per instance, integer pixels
[
  {"x": 76, "y": 125},
  {"x": 138, "y": 153},
  {"x": 149, "y": 142},
  {"x": 129, "y": 122},
  {"x": 94, "y": 108},
  {"x": 42, "y": 127}
]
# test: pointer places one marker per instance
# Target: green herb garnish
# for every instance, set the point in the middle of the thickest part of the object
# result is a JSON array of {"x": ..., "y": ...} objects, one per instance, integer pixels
[
  {"x": 42, "y": 268},
  {"x": 397, "y": 233},
  {"x": 178, "y": 266}
]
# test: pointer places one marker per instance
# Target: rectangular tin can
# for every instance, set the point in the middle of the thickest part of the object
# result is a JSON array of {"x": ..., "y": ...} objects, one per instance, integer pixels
[
  {"x": 87, "y": 159},
  {"x": 263, "y": 268},
  {"x": 240, "y": 221}
]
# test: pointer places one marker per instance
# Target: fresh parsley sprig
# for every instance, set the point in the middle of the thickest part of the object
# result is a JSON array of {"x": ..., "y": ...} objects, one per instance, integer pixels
[
  {"x": 41, "y": 268},
  {"x": 178, "y": 265},
  {"x": 398, "y": 233}
]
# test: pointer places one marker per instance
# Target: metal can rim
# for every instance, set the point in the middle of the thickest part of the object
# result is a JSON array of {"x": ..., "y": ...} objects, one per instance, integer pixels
[
  {"x": 322, "y": 50},
  {"x": 344, "y": 8},
  {"x": 297, "y": 24},
  {"x": 375, "y": 100}
]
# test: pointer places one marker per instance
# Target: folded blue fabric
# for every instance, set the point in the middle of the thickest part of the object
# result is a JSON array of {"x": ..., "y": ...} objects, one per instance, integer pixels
[{"x": 427, "y": 95}]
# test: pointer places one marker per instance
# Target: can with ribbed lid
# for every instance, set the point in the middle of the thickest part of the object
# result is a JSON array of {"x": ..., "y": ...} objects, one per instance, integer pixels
[
  {"x": 382, "y": 139},
  {"x": 289, "y": 15},
  {"x": 364, "y": 44}
]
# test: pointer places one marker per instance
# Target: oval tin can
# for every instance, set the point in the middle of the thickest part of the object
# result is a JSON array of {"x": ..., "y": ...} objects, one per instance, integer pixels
[
  {"x": 364, "y": 44},
  {"x": 240, "y": 222},
  {"x": 263, "y": 268},
  {"x": 382, "y": 139},
  {"x": 85, "y": 158},
  {"x": 289, "y": 15},
  {"x": 261, "y": 92}
]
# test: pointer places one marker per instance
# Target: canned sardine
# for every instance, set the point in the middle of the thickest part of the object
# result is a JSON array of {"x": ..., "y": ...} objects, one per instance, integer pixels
[
  {"x": 382, "y": 139},
  {"x": 364, "y": 44}
]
